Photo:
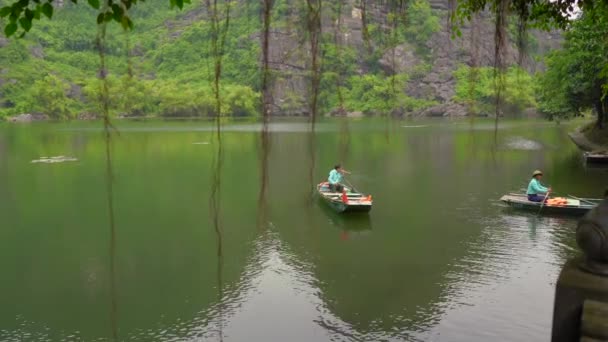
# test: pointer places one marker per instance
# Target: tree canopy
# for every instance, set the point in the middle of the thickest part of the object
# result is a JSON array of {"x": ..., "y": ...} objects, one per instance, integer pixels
[{"x": 576, "y": 77}]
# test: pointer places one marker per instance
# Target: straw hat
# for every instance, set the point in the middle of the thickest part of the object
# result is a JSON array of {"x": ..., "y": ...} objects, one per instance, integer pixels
[{"x": 536, "y": 173}]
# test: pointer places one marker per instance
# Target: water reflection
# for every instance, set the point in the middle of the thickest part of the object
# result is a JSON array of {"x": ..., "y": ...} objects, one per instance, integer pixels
[
  {"x": 349, "y": 226},
  {"x": 215, "y": 208},
  {"x": 436, "y": 259},
  {"x": 112, "y": 226},
  {"x": 265, "y": 138}
]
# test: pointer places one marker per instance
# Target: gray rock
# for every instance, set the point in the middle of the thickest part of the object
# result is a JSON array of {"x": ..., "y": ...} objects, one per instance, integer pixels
[
  {"x": 354, "y": 114},
  {"x": 37, "y": 52},
  {"x": 87, "y": 116},
  {"x": 27, "y": 117},
  {"x": 399, "y": 59}
]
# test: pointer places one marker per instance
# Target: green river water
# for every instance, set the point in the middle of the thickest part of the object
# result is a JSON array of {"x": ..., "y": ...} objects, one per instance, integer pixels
[{"x": 437, "y": 259}]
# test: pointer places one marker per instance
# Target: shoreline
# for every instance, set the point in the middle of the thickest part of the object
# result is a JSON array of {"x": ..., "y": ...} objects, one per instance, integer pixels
[{"x": 584, "y": 142}]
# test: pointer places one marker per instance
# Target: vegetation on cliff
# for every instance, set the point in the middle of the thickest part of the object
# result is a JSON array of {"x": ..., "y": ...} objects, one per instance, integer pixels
[
  {"x": 164, "y": 65},
  {"x": 167, "y": 62}
]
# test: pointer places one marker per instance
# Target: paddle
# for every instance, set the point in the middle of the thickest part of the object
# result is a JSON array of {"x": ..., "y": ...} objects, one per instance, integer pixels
[
  {"x": 351, "y": 186},
  {"x": 543, "y": 204},
  {"x": 582, "y": 200}
]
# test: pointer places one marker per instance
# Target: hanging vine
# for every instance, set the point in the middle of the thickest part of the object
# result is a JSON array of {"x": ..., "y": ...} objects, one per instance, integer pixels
[
  {"x": 104, "y": 98},
  {"x": 314, "y": 34},
  {"x": 219, "y": 31},
  {"x": 338, "y": 43},
  {"x": 364, "y": 28},
  {"x": 500, "y": 44},
  {"x": 474, "y": 65},
  {"x": 266, "y": 92}
]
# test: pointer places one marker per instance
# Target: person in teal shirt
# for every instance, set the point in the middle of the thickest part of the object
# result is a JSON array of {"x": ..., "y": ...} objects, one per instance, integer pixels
[
  {"x": 335, "y": 178},
  {"x": 536, "y": 191}
]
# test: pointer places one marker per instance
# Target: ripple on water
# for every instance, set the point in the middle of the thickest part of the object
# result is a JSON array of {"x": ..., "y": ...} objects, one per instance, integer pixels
[
  {"x": 521, "y": 143},
  {"x": 509, "y": 269}
]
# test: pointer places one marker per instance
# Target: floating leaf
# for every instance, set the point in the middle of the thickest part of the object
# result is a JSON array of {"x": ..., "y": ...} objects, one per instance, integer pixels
[
  {"x": 47, "y": 10},
  {"x": 10, "y": 29}
]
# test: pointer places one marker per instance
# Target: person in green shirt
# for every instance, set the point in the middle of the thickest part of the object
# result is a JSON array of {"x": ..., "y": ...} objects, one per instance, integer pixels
[
  {"x": 536, "y": 191},
  {"x": 335, "y": 178}
]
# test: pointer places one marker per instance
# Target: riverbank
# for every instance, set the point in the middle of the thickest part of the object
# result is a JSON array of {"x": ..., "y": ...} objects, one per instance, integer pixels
[{"x": 590, "y": 138}]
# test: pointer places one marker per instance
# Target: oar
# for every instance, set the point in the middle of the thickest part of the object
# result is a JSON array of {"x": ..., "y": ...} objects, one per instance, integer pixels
[
  {"x": 351, "y": 186},
  {"x": 582, "y": 200},
  {"x": 543, "y": 204}
]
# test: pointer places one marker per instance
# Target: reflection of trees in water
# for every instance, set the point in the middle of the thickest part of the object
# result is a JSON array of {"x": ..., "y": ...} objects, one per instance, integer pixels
[
  {"x": 215, "y": 208},
  {"x": 263, "y": 193},
  {"x": 110, "y": 202},
  {"x": 344, "y": 142}
]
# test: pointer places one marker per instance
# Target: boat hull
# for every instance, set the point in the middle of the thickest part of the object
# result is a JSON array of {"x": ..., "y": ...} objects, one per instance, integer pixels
[
  {"x": 596, "y": 158},
  {"x": 355, "y": 203},
  {"x": 521, "y": 202}
]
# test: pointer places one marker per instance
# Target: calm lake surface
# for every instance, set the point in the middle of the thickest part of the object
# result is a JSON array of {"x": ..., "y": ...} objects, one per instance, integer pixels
[{"x": 180, "y": 252}]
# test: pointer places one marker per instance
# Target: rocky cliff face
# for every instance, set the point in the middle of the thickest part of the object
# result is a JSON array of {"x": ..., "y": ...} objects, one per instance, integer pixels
[{"x": 475, "y": 47}]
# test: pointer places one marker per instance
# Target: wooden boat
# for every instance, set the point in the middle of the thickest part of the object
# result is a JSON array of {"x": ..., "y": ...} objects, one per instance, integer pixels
[
  {"x": 596, "y": 157},
  {"x": 350, "y": 201},
  {"x": 575, "y": 206}
]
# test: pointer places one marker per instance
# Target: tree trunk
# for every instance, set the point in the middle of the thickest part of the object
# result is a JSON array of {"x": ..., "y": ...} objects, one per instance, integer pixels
[{"x": 599, "y": 108}]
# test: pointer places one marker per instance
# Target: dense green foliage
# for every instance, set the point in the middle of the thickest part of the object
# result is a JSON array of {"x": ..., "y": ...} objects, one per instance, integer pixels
[
  {"x": 576, "y": 76},
  {"x": 421, "y": 22},
  {"x": 164, "y": 65},
  {"x": 476, "y": 88}
]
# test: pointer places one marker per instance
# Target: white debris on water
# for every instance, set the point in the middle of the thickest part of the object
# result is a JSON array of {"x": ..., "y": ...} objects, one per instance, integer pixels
[
  {"x": 201, "y": 143},
  {"x": 521, "y": 143},
  {"x": 57, "y": 159}
]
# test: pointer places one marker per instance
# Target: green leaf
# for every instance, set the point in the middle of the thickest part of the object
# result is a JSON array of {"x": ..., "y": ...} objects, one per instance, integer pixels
[
  {"x": 29, "y": 14},
  {"x": 126, "y": 23},
  {"x": 25, "y": 24},
  {"x": 47, "y": 10},
  {"x": 94, "y": 3},
  {"x": 118, "y": 12},
  {"x": 100, "y": 19},
  {"x": 179, "y": 4},
  {"x": 10, "y": 29},
  {"x": 4, "y": 11},
  {"x": 37, "y": 12}
]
